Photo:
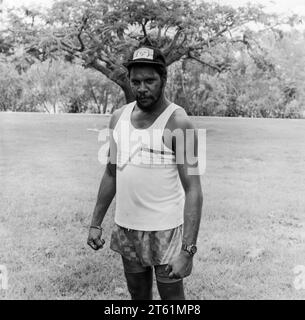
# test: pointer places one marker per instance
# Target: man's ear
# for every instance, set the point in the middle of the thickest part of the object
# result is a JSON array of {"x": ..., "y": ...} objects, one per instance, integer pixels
[{"x": 164, "y": 81}]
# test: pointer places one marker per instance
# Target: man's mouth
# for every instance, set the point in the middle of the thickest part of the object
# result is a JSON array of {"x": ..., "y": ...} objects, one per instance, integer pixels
[{"x": 143, "y": 99}]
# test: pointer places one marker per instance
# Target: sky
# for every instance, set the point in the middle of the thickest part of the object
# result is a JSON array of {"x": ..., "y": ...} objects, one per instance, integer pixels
[
  {"x": 18, "y": 3},
  {"x": 278, "y": 6}
]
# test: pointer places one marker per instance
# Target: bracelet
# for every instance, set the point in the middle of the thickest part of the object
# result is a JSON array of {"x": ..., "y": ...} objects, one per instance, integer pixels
[{"x": 97, "y": 227}]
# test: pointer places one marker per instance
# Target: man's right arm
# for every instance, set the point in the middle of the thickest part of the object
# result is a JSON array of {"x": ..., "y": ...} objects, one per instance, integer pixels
[
  {"x": 106, "y": 191},
  {"x": 105, "y": 195}
]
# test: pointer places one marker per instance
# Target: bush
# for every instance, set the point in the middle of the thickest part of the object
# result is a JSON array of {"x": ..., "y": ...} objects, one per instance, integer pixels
[{"x": 10, "y": 88}]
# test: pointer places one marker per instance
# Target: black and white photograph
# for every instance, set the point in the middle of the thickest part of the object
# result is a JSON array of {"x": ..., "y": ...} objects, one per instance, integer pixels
[{"x": 152, "y": 150}]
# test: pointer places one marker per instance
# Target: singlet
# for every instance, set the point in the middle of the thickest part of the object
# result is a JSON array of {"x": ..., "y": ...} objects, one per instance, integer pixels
[{"x": 149, "y": 193}]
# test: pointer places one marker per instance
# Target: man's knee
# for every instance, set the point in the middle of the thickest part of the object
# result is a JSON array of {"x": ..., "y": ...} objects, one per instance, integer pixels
[
  {"x": 140, "y": 285},
  {"x": 171, "y": 290}
]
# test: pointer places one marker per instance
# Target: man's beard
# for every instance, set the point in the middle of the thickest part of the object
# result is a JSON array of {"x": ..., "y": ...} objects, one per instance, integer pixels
[{"x": 148, "y": 101}]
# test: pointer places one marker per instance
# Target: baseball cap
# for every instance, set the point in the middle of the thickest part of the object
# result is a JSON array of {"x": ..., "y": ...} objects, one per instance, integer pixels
[{"x": 147, "y": 55}]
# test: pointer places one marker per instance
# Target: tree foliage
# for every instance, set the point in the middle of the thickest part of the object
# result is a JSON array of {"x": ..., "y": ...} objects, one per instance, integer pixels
[
  {"x": 69, "y": 57},
  {"x": 10, "y": 87},
  {"x": 102, "y": 33}
]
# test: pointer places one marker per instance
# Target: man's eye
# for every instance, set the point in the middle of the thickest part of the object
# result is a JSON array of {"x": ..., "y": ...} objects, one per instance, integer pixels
[
  {"x": 135, "y": 83},
  {"x": 150, "y": 81}
]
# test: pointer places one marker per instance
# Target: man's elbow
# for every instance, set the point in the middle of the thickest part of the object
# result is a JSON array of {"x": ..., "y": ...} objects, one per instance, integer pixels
[
  {"x": 195, "y": 192},
  {"x": 111, "y": 170}
]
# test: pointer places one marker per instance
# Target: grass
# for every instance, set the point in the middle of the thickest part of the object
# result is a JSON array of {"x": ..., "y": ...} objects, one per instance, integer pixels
[{"x": 253, "y": 225}]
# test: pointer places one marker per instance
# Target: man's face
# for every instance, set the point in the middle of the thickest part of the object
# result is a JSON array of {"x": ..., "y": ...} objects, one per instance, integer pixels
[{"x": 146, "y": 85}]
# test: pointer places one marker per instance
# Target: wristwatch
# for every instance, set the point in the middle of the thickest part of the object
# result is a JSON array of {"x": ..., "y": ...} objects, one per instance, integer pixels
[{"x": 190, "y": 249}]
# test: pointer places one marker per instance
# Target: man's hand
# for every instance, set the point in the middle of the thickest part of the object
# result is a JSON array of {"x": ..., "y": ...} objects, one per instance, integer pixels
[
  {"x": 94, "y": 239},
  {"x": 181, "y": 266}
]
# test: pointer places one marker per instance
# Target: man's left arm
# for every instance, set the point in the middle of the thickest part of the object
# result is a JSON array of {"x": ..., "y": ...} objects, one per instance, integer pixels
[{"x": 188, "y": 168}]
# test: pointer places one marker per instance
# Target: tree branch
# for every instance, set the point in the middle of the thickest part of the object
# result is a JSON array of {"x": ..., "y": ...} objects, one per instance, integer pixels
[
  {"x": 143, "y": 28},
  {"x": 173, "y": 43},
  {"x": 67, "y": 48},
  {"x": 159, "y": 35},
  {"x": 120, "y": 34},
  {"x": 104, "y": 57},
  {"x": 183, "y": 40},
  {"x": 212, "y": 66},
  {"x": 83, "y": 25},
  {"x": 90, "y": 35},
  {"x": 82, "y": 47},
  {"x": 244, "y": 40},
  {"x": 211, "y": 40},
  {"x": 95, "y": 64},
  {"x": 175, "y": 55}
]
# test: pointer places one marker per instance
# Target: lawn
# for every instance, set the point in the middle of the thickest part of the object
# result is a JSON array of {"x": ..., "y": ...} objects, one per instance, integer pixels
[{"x": 252, "y": 232}]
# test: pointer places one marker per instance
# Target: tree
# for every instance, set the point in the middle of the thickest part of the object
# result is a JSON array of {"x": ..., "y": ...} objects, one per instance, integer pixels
[
  {"x": 10, "y": 87},
  {"x": 102, "y": 33},
  {"x": 60, "y": 86}
]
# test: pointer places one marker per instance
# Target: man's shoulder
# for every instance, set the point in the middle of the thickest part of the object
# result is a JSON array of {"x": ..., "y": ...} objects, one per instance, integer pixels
[
  {"x": 179, "y": 119},
  {"x": 117, "y": 114}
]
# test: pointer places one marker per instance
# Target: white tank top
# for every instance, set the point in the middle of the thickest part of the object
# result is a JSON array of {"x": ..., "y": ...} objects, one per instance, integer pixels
[{"x": 149, "y": 193}]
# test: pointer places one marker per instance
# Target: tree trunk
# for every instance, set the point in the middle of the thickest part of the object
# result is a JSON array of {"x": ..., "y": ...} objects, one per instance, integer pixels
[
  {"x": 45, "y": 107},
  {"x": 94, "y": 97},
  {"x": 54, "y": 107},
  {"x": 117, "y": 75},
  {"x": 180, "y": 96},
  {"x": 3, "y": 107},
  {"x": 129, "y": 97},
  {"x": 105, "y": 102}
]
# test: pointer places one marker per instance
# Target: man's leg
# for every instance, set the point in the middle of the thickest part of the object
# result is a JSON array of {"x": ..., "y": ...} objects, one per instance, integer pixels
[
  {"x": 139, "y": 280},
  {"x": 140, "y": 285},
  {"x": 169, "y": 289}
]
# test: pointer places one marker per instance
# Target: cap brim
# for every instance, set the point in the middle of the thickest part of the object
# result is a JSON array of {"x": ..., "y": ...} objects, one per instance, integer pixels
[{"x": 140, "y": 61}]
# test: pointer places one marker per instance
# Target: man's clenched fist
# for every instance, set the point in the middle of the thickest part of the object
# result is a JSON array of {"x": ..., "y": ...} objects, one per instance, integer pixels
[{"x": 94, "y": 238}]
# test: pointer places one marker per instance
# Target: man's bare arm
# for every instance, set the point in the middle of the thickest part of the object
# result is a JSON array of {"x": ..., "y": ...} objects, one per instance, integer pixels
[
  {"x": 193, "y": 191},
  {"x": 182, "y": 266},
  {"x": 105, "y": 195},
  {"x": 107, "y": 190}
]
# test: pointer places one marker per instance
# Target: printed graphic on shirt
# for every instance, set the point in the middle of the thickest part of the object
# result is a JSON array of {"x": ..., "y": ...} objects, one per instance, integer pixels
[{"x": 141, "y": 148}]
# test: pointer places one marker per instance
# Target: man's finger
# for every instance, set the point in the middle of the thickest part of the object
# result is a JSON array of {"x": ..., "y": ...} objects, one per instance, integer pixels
[
  {"x": 172, "y": 275},
  {"x": 168, "y": 268},
  {"x": 92, "y": 244},
  {"x": 99, "y": 243}
]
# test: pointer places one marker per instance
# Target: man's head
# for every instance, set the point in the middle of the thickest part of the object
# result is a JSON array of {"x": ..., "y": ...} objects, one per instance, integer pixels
[{"x": 147, "y": 75}]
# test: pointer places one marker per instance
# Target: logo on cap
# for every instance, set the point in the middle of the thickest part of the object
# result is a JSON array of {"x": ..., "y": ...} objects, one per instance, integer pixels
[{"x": 143, "y": 53}]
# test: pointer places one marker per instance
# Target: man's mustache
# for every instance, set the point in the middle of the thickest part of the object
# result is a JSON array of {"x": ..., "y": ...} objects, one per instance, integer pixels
[{"x": 143, "y": 97}]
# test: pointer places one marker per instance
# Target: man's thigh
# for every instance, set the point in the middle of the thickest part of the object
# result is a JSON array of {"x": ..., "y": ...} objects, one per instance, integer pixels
[
  {"x": 131, "y": 266},
  {"x": 169, "y": 289},
  {"x": 162, "y": 274}
]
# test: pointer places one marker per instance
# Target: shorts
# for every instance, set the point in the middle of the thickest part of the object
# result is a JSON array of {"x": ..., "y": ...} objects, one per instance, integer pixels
[{"x": 142, "y": 250}]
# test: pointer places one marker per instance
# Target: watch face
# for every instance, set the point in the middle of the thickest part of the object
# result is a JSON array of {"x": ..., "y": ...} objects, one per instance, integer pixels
[{"x": 193, "y": 249}]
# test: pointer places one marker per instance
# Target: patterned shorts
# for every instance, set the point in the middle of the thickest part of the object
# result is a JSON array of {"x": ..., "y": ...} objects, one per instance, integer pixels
[{"x": 148, "y": 248}]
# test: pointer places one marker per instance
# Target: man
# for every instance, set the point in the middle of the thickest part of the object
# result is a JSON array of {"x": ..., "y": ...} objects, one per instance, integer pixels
[{"x": 158, "y": 201}]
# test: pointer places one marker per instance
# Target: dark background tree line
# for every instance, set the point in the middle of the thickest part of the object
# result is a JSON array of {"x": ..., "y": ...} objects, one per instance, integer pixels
[{"x": 222, "y": 61}]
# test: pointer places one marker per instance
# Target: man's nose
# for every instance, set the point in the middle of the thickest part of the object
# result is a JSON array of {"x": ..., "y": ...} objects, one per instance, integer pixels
[{"x": 142, "y": 87}]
